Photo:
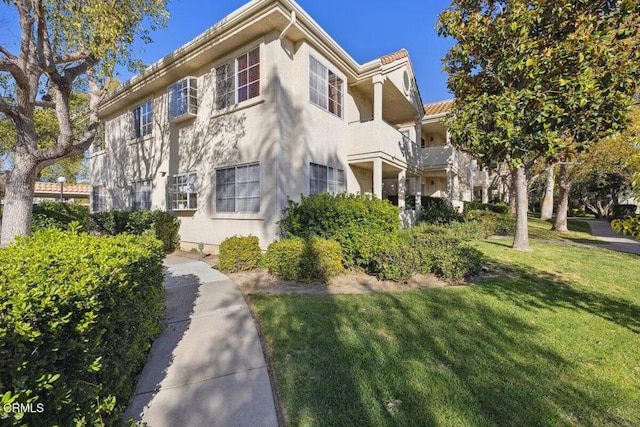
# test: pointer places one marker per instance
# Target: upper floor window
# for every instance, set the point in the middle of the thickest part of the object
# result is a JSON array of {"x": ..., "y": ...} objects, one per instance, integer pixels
[
  {"x": 142, "y": 196},
  {"x": 183, "y": 99},
  {"x": 99, "y": 142},
  {"x": 325, "y": 88},
  {"x": 238, "y": 189},
  {"x": 142, "y": 120},
  {"x": 183, "y": 191},
  {"x": 238, "y": 80},
  {"x": 326, "y": 179}
]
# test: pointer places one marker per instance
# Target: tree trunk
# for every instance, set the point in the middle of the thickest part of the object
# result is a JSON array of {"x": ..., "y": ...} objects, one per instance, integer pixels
[
  {"x": 18, "y": 201},
  {"x": 521, "y": 238},
  {"x": 513, "y": 194},
  {"x": 546, "y": 211},
  {"x": 560, "y": 224}
]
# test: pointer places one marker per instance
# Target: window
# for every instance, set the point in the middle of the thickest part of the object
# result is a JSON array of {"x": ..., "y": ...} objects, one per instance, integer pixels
[
  {"x": 99, "y": 142},
  {"x": 238, "y": 189},
  {"x": 183, "y": 99},
  {"x": 325, "y": 88},
  {"x": 142, "y": 116},
  {"x": 98, "y": 198},
  {"x": 238, "y": 80},
  {"x": 183, "y": 191},
  {"x": 142, "y": 196},
  {"x": 326, "y": 179}
]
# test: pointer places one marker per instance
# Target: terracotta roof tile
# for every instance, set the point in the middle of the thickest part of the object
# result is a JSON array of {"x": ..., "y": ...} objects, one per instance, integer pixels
[
  {"x": 54, "y": 187},
  {"x": 388, "y": 59},
  {"x": 439, "y": 107}
]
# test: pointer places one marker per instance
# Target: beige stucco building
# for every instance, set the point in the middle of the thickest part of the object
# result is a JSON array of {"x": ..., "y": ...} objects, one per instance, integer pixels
[{"x": 264, "y": 107}]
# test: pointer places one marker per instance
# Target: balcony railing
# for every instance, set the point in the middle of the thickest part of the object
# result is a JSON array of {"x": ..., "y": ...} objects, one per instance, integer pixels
[
  {"x": 435, "y": 158},
  {"x": 372, "y": 138}
]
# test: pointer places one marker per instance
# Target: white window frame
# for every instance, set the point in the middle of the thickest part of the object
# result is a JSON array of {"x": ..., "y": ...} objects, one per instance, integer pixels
[
  {"x": 183, "y": 191},
  {"x": 238, "y": 189},
  {"x": 326, "y": 88},
  {"x": 326, "y": 179},
  {"x": 238, "y": 80},
  {"x": 142, "y": 120},
  {"x": 98, "y": 198},
  {"x": 182, "y": 99},
  {"x": 142, "y": 194},
  {"x": 99, "y": 141}
]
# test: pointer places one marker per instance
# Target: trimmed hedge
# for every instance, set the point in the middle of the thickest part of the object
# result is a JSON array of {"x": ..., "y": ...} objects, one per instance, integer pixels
[
  {"x": 239, "y": 254},
  {"x": 396, "y": 262},
  {"x": 59, "y": 215},
  {"x": 160, "y": 224},
  {"x": 79, "y": 316},
  {"x": 499, "y": 208},
  {"x": 362, "y": 225},
  {"x": 630, "y": 225},
  {"x": 493, "y": 223},
  {"x": 315, "y": 260}
]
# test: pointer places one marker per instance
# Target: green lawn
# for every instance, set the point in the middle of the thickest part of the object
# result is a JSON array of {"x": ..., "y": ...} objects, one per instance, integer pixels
[
  {"x": 579, "y": 231},
  {"x": 552, "y": 339}
]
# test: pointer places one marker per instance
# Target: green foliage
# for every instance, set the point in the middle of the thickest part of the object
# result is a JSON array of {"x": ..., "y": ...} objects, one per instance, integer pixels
[
  {"x": 362, "y": 225},
  {"x": 59, "y": 215},
  {"x": 436, "y": 210},
  {"x": 396, "y": 262},
  {"x": 493, "y": 223},
  {"x": 161, "y": 224},
  {"x": 620, "y": 211},
  {"x": 79, "y": 315},
  {"x": 501, "y": 208},
  {"x": 630, "y": 225},
  {"x": 315, "y": 260},
  {"x": 239, "y": 254}
]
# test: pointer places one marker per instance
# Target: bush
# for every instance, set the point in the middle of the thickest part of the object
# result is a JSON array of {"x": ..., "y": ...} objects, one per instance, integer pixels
[
  {"x": 396, "y": 262},
  {"x": 499, "y": 208},
  {"x": 362, "y": 225},
  {"x": 621, "y": 211},
  {"x": 493, "y": 223},
  {"x": 239, "y": 254},
  {"x": 316, "y": 260},
  {"x": 436, "y": 210},
  {"x": 79, "y": 316},
  {"x": 160, "y": 224},
  {"x": 630, "y": 225},
  {"x": 59, "y": 215},
  {"x": 442, "y": 254}
]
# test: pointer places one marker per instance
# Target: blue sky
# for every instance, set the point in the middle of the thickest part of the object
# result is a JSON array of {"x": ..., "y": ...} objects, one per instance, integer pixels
[{"x": 365, "y": 29}]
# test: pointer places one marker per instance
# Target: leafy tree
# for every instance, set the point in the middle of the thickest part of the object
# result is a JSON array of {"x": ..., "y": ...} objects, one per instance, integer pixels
[
  {"x": 534, "y": 77},
  {"x": 62, "y": 45}
]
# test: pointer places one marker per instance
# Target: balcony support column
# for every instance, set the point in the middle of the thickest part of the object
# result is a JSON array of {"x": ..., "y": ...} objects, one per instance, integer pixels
[
  {"x": 449, "y": 184},
  {"x": 377, "y": 178},
  {"x": 419, "y": 193},
  {"x": 402, "y": 186},
  {"x": 485, "y": 194},
  {"x": 377, "y": 98}
]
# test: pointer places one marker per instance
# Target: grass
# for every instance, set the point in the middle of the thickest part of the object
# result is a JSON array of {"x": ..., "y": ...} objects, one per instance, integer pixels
[
  {"x": 552, "y": 339},
  {"x": 579, "y": 231}
]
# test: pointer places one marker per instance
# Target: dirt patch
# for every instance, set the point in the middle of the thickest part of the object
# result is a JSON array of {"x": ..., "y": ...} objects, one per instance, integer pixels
[
  {"x": 208, "y": 258},
  {"x": 261, "y": 282}
]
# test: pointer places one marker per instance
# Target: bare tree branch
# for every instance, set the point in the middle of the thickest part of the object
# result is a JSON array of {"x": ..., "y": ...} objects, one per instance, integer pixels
[
  {"x": 46, "y": 104},
  {"x": 5, "y": 52},
  {"x": 8, "y": 109},
  {"x": 72, "y": 57}
]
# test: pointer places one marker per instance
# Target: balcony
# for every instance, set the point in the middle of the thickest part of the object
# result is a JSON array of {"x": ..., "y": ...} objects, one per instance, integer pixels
[
  {"x": 371, "y": 139},
  {"x": 437, "y": 158}
]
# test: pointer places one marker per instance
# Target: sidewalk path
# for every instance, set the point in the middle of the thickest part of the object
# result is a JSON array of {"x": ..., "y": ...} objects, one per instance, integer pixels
[
  {"x": 602, "y": 230},
  {"x": 207, "y": 367}
]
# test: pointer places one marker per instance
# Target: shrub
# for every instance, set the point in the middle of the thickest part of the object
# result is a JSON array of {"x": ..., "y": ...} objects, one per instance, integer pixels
[
  {"x": 396, "y": 262},
  {"x": 59, "y": 215},
  {"x": 284, "y": 259},
  {"x": 620, "y": 211},
  {"x": 239, "y": 254},
  {"x": 629, "y": 225},
  {"x": 436, "y": 210},
  {"x": 79, "y": 315},
  {"x": 499, "y": 207},
  {"x": 160, "y": 224},
  {"x": 362, "y": 225},
  {"x": 316, "y": 260},
  {"x": 493, "y": 223},
  {"x": 442, "y": 254}
]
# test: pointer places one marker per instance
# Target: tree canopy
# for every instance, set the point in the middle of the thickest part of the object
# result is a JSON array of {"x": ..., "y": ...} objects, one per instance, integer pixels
[
  {"x": 62, "y": 44},
  {"x": 535, "y": 78}
]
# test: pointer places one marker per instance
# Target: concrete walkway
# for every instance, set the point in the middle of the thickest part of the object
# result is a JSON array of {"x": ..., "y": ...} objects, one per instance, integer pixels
[
  {"x": 207, "y": 368},
  {"x": 602, "y": 230}
]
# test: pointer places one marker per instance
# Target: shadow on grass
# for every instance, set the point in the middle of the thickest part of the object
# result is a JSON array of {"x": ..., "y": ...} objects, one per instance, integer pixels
[{"x": 457, "y": 356}]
